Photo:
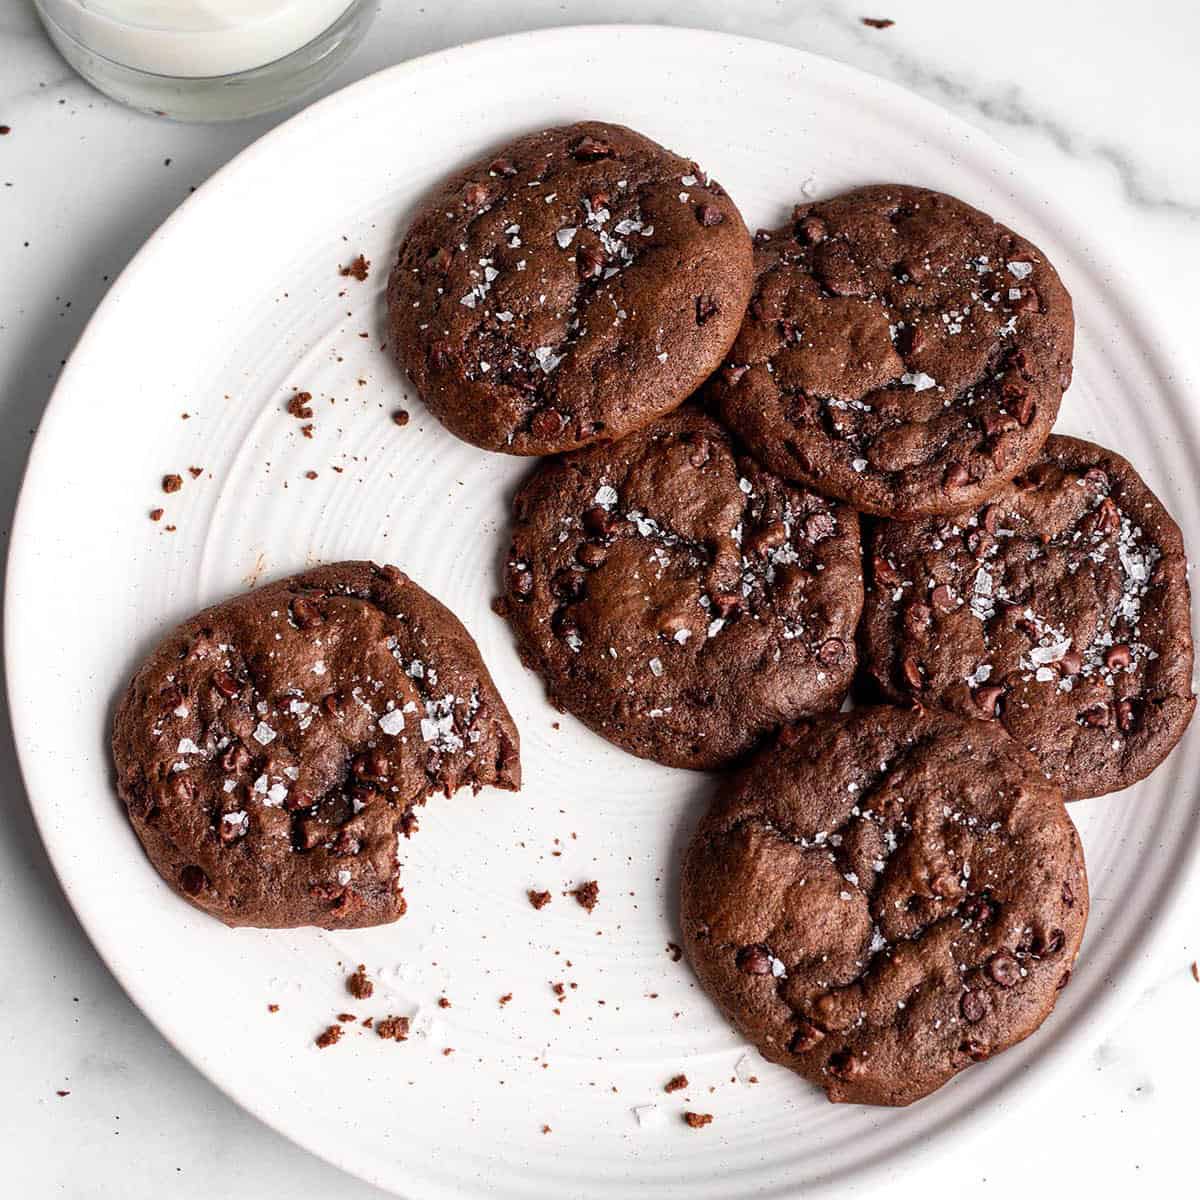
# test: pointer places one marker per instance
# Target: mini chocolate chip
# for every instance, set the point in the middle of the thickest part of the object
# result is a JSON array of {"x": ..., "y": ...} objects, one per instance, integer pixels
[
  {"x": 567, "y": 584},
  {"x": 1117, "y": 657},
  {"x": 1068, "y": 894},
  {"x": 995, "y": 424},
  {"x": 439, "y": 355},
  {"x": 1097, "y": 716},
  {"x": 1126, "y": 716},
  {"x": 956, "y": 476},
  {"x": 844, "y": 1065},
  {"x": 974, "y": 1050},
  {"x": 1108, "y": 516},
  {"x": 917, "y": 619},
  {"x": 987, "y": 700},
  {"x": 1097, "y": 477},
  {"x": 973, "y": 1006},
  {"x": 306, "y": 614},
  {"x": 589, "y": 261},
  {"x": 503, "y": 166},
  {"x": 706, "y": 308},
  {"x": 1004, "y": 968},
  {"x": 1071, "y": 663},
  {"x": 754, "y": 960},
  {"x": 225, "y": 684},
  {"x": 440, "y": 260},
  {"x": 193, "y": 879},
  {"x": 475, "y": 195},
  {"x": 943, "y": 599},
  {"x": 1046, "y": 945},
  {"x": 912, "y": 673},
  {"x": 709, "y": 214},
  {"x": 599, "y": 521},
  {"x": 546, "y": 422},
  {"x": 805, "y": 1038},
  {"x": 832, "y": 651},
  {"x": 884, "y": 572},
  {"x": 591, "y": 555},
  {"x": 589, "y": 149},
  {"x": 810, "y": 229},
  {"x": 1025, "y": 408},
  {"x": 732, "y": 373}
]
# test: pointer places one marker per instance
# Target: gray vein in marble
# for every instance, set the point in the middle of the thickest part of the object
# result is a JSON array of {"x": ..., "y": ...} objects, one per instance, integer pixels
[{"x": 1010, "y": 107}]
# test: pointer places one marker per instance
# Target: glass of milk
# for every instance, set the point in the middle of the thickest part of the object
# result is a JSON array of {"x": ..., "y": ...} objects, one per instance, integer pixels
[{"x": 206, "y": 60}]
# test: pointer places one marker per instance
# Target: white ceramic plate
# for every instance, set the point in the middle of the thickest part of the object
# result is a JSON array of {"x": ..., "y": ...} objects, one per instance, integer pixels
[{"x": 237, "y": 300}]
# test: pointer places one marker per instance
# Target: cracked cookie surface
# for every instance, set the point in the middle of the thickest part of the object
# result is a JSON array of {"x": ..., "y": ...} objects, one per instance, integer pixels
[
  {"x": 902, "y": 351},
  {"x": 273, "y": 747},
  {"x": 883, "y": 898},
  {"x": 677, "y": 597},
  {"x": 1060, "y": 609},
  {"x": 569, "y": 288}
]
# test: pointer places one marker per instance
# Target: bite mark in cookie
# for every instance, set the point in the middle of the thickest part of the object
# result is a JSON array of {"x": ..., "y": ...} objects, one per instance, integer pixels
[
  {"x": 1060, "y": 609},
  {"x": 570, "y": 288},
  {"x": 680, "y": 599},
  {"x": 883, "y": 898},
  {"x": 273, "y": 747},
  {"x": 902, "y": 351}
]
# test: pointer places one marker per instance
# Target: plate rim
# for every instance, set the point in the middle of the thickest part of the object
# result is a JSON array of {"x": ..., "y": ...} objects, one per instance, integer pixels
[{"x": 1063, "y": 1046}]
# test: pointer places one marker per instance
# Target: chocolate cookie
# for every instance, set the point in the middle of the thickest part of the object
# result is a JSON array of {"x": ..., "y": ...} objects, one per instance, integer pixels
[
  {"x": 680, "y": 599},
  {"x": 570, "y": 288},
  {"x": 273, "y": 746},
  {"x": 902, "y": 351},
  {"x": 1060, "y": 609},
  {"x": 883, "y": 898}
]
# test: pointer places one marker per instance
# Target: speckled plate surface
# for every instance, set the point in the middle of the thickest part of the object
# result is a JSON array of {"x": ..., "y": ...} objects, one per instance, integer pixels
[{"x": 232, "y": 304}]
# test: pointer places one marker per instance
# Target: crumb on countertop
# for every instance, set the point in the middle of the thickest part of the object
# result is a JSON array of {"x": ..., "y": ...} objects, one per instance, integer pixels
[
  {"x": 698, "y": 1120},
  {"x": 330, "y": 1037},
  {"x": 357, "y": 269},
  {"x": 676, "y": 1083},
  {"x": 587, "y": 894},
  {"x": 539, "y": 899},
  {"x": 395, "y": 1028},
  {"x": 359, "y": 985}
]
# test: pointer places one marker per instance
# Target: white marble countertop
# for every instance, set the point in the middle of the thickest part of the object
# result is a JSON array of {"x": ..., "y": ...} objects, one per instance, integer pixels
[{"x": 1096, "y": 98}]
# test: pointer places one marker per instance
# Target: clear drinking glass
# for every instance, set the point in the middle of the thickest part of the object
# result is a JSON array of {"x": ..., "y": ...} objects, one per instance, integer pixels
[{"x": 206, "y": 60}]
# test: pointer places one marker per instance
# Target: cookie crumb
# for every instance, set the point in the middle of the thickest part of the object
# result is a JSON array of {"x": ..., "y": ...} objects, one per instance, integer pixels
[
  {"x": 299, "y": 406},
  {"x": 358, "y": 985},
  {"x": 674, "y": 951},
  {"x": 587, "y": 894},
  {"x": 675, "y": 1084},
  {"x": 310, "y": 475},
  {"x": 447, "y": 1051},
  {"x": 395, "y": 1028},
  {"x": 347, "y": 1018},
  {"x": 545, "y": 1128},
  {"x": 443, "y": 1002},
  {"x": 156, "y": 514},
  {"x": 330, "y": 1037},
  {"x": 539, "y": 899},
  {"x": 698, "y": 1120},
  {"x": 400, "y": 416},
  {"x": 58, "y": 1093},
  {"x": 5, "y": 130},
  {"x": 171, "y": 483},
  {"x": 505, "y": 998},
  {"x": 1196, "y": 972},
  {"x": 195, "y": 472},
  {"x": 357, "y": 269},
  {"x": 878, "y": 22},
  {"x": 272, "y": 1008}
]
